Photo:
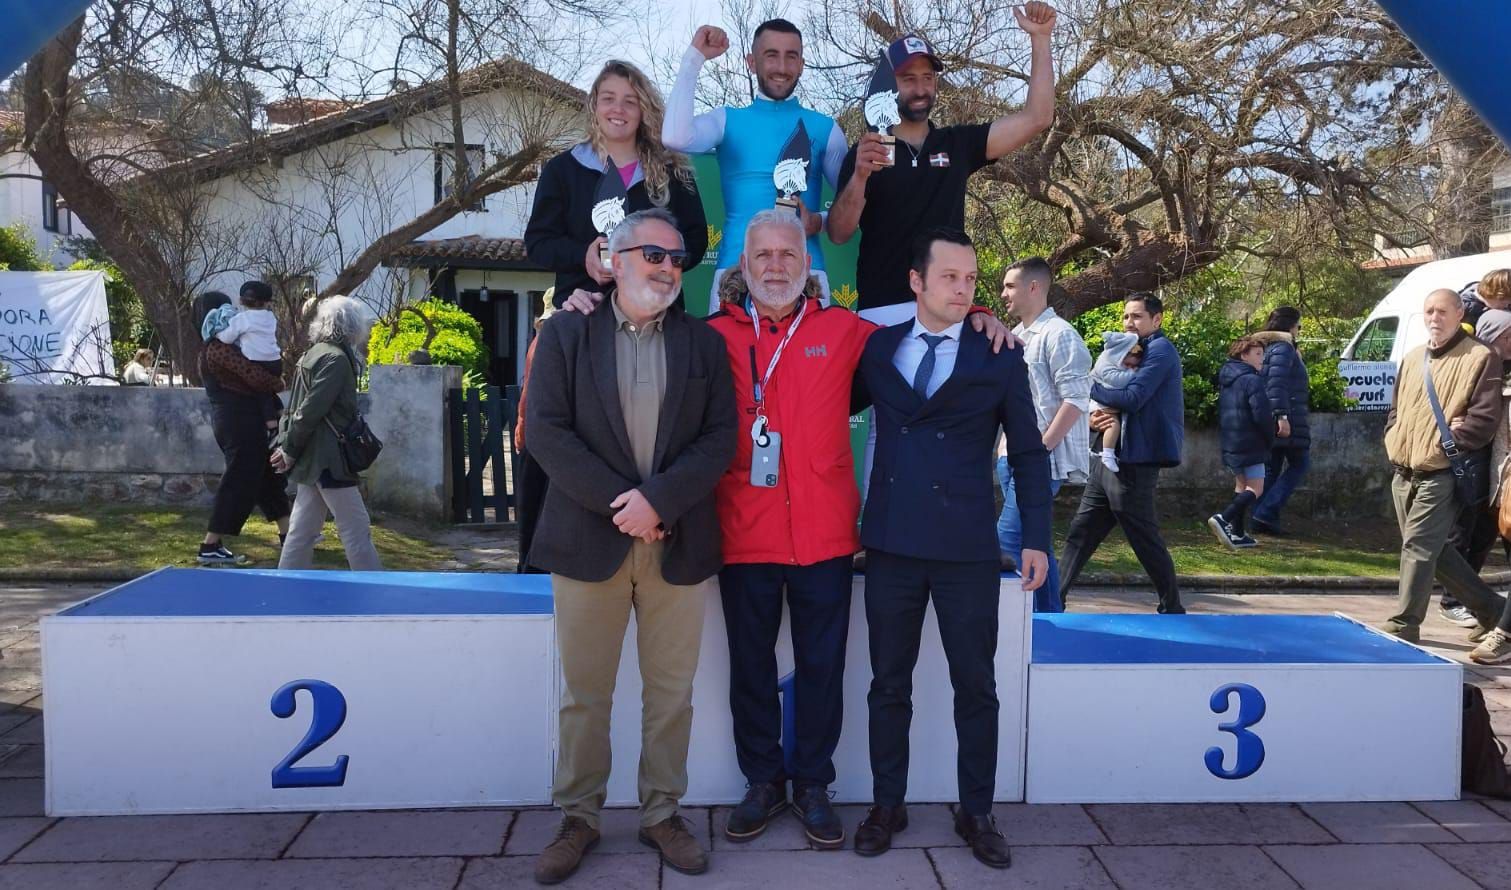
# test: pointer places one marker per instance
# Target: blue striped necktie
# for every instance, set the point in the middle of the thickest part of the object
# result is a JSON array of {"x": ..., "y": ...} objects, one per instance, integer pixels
[{"x": 926, "y": 367}]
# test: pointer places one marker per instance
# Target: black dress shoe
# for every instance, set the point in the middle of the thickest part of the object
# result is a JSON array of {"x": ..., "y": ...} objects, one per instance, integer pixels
[
  {"x": 981, "y": 833},
  {"x": 874, "y": 836},
  {"x": 750, "y": 817},
  {"x": 820, "y": 822}
]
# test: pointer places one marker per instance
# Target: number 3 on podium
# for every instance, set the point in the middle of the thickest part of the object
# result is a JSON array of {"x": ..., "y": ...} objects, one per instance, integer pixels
[
  {"x": 327, "y": 714},
  {"x": 1250, "y": 754}
]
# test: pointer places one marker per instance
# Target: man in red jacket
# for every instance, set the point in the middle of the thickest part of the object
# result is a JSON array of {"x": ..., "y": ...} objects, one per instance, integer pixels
[{"x": 788, "y": 507}]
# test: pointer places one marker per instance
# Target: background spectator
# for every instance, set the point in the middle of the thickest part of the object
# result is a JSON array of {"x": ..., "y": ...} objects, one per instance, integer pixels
[{"x": 1288, "y": 388}]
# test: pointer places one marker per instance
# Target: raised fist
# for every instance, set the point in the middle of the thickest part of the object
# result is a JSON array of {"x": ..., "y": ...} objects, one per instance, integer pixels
[
  {"x": 713, "y": 42},
  {"x": 1037, "y": 18}
]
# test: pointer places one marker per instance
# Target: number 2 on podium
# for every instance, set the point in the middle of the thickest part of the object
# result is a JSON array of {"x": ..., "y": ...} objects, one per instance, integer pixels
[
  {"x": 1250, "y": 754},
  {"x": 327, "y": 714}
]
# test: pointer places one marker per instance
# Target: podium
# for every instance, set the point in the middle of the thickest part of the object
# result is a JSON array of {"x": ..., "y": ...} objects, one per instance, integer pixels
[{"x": 1241, "y": 708}]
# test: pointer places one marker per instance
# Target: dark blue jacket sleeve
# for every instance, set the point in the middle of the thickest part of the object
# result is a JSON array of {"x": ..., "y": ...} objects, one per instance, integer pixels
[
  {"x": 1259, "y": 410},
  {"x": 1279, "y": 368},
  {"x": 1026, "y": 455},
  {"x": 1160, "y": 363}
]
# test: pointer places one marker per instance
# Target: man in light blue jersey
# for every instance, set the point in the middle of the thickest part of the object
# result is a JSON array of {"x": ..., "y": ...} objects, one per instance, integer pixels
[{"x": 749, "y": 140}]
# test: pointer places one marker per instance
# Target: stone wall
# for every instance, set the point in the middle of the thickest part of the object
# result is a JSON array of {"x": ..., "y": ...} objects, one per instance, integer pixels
[{"x": 156, "y": 445}]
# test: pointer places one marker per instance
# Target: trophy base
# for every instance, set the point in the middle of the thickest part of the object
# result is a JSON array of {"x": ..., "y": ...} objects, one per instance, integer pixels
[
  {"x": 789, "y": 204},
  {"x": 890, "y": 142},
  {"x": 605, "y": 258}
]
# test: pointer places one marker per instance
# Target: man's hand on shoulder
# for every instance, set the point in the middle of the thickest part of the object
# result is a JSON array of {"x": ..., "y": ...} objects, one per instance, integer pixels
[
  {"x": 992, "y": 326},
  {"x": 582, "y": 301}
]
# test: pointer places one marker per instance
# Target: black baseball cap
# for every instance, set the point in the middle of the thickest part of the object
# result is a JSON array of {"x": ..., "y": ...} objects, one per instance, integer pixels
[{"x": 908, "y": 46}]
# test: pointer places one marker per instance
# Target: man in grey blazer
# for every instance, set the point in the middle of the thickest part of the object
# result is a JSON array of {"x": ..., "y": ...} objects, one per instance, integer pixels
[{"x": 631, "y": 413}]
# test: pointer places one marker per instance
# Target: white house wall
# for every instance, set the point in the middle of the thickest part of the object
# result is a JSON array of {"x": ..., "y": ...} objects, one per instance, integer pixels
[
  {"x": 317, "y": 210},
  {"x": 21, "y": 202}
]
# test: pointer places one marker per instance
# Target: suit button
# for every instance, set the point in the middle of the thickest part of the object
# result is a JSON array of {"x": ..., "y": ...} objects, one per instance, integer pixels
[
  {"x": 940, "y": 436},
  {"x": 904, "y": 431},
  {"x": 891, "y": 478}
]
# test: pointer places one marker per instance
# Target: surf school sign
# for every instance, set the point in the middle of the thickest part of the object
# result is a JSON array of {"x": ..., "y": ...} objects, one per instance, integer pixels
[
  {"x": 55, "y": 327},
  {"x": 1370, "y": 385}
]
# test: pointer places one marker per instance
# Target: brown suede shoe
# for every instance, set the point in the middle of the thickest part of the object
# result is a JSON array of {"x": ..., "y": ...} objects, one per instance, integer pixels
[
  {"x": 679, "y": 849},
  {"x": 558, "y": 860}
]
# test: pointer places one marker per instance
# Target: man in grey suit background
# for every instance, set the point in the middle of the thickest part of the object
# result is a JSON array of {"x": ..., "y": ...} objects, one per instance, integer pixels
[{"x": 631, "y": 413}]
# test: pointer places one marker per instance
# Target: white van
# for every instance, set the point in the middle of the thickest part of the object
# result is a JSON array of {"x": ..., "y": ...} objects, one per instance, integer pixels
[{"x": 1395, "y": 326}]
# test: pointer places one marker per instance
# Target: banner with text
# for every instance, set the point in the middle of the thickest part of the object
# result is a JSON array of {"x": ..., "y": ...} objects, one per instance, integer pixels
[
  {"x": 1371, "y": 385},
  {"x": 55, "y": 327}
]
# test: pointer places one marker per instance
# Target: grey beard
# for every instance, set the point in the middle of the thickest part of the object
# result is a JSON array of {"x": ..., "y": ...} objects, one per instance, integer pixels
[
  {"x": 647, "y": 298},
  {"x": 775, "y": 301}
]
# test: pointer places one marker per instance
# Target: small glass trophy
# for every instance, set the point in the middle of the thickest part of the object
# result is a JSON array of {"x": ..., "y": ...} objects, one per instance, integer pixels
[{"x": 881, "y": 106}]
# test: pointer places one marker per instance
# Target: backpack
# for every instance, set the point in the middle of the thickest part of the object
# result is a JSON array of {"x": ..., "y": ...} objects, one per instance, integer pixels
[{"x": 1484, "y": 763}]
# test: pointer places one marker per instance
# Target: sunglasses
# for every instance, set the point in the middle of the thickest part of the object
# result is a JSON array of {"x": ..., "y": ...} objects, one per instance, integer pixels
[{"x": 655, "y": 253}]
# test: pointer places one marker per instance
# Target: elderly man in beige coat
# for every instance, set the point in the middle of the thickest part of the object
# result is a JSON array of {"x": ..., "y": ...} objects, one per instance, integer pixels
[{"x": 1467, "y": 378}]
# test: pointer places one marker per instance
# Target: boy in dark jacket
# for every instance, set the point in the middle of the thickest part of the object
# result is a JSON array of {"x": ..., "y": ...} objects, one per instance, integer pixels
[{"x": 1248, "y": 434}]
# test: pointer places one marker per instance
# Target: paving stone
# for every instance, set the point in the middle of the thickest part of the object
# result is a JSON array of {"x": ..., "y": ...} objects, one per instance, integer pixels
[
  {"x": 1503, "y": 807},
  {"x": 929, "y": 825},
  {"x": 783, "y": 832},
  {"x": 1468, "y": 819},
  {"x": 1497, "y": 698},
  {"x": 144, "y": 838},
  {"x": 408, "y": 833},
  {"x": 599, "y": 871},
  {"x": 22, "y": 728},
  {"x": 20, "y": 761},
  {"x": 1211, "y": 823},
  {"x": 1378, "y": 823},
  {"x": 1034, "y": 868},
  {"x": 16, "y": 833},
  {"x": 620, "y": 828},
  {"x": 1487, "y": 864},
  {"x": 85, "y": 876},
  {"x": 1197, "y": 868},
  {"x": 21, "y": 797},
  {"x": 1372, "y": 866},
  {"x": 318, "y": 874},
  {"x": 735, "y": 869},
  {"x": 1034, "y": 825}
]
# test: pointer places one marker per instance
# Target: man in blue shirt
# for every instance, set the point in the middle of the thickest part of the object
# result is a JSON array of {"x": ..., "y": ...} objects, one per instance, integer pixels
[
  {"x": 1153, "y": 409},
  {"x": 748, "y": 140}
]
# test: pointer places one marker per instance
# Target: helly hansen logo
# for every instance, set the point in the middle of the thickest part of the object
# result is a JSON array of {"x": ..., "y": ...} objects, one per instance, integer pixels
[{"x": 820, "y": 351}]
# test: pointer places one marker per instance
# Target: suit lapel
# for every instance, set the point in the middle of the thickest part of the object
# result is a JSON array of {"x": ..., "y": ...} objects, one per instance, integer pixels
[
  {"x": 601, "y": 331},
  {"x": 678, "y": 339},
  {"x": 889, "y": 339},
  {"x": 971, "y": 353}
]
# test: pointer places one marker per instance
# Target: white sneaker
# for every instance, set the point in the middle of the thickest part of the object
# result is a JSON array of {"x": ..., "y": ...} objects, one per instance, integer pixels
[
  {"x": 1459, "y": 615},
  {"x": 1495, "y": 649}
]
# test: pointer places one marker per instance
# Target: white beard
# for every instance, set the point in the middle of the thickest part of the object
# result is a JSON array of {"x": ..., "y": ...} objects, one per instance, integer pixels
[
  {"x": 774, "y": 298},
  {"x": 648, "y": 297}
]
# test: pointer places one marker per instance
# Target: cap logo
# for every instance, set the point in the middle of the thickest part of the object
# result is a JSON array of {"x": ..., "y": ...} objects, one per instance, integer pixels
[{"x": 914, "y": 45}]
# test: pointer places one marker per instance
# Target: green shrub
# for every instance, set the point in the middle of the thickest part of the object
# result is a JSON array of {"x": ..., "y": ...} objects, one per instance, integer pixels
[
  {"x": 18, "y": 250},
  {"x": 458, "y": 340},
  {"x": 129, "y": 328}
]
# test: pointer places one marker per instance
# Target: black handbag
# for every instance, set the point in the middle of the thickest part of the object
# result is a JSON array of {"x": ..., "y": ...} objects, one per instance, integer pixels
[
  {"x": 1471, "y": 469},
  {"x": 1484, "y": 756},
  {"x": 359, "y": 445}
]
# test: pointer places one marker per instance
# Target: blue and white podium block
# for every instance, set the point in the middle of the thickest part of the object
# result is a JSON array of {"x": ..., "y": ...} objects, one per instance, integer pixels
[
  {"x": 1193, "y": 708},
  {"x": 713, "y": 773},
  {"x": 217, "y": 691}
]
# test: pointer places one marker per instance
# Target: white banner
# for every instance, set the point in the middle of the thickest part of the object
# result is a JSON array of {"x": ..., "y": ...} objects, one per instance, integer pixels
[
  {"x": 1370, "y": 384},
  {"x": 55, "y": 327}
]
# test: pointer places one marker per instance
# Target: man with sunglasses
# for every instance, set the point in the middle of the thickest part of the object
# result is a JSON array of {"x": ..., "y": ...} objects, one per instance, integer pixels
[{"x": 631, "y": 413}]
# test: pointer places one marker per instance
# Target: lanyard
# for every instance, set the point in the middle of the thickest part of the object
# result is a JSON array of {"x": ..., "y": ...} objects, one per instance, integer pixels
[{"x": 762, "y": 383}]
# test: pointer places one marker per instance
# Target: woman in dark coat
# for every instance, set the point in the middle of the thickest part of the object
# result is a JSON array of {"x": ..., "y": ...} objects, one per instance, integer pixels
[
  {"x": 1288, "y": 388},
  {"x": 624, "y": 138},
  {"x": 248, "y": 482},
  {"x": 1248, "y": 432}
]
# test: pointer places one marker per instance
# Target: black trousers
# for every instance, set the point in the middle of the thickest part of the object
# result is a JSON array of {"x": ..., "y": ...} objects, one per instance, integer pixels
[
  {"x": 530, "y": 497},
  {"x": 248, "y": 482},
  {"x": 965, "y": 594},
  {"x": 1124, "y": 498},
  {"x": 818, "y": 603}
]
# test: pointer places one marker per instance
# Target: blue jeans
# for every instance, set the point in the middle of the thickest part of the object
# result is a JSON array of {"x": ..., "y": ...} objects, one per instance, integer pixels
[
  {"x": 1282, "y": 476},
  {"x": 1010, "y": 538}
]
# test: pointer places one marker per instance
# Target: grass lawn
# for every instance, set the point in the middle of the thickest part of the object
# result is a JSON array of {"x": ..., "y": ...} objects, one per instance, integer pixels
[
  {"x": 145, "y": 538},
  {"x": 1368, "y": 547}
]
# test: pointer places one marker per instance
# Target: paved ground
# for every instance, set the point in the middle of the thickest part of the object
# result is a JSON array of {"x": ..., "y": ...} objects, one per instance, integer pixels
[{"x": 1429, "y": 846}]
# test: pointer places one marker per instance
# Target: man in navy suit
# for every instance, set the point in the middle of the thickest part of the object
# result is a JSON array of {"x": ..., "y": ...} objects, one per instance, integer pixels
[{"x": 929, "y": 529}]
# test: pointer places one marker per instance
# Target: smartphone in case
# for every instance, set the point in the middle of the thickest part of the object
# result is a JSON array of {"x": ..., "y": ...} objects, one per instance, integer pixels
[{"x": 765, "y": 459}]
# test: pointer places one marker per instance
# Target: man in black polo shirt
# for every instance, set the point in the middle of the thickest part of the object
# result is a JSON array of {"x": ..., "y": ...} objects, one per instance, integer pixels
[{"x": 925, "y": 187}]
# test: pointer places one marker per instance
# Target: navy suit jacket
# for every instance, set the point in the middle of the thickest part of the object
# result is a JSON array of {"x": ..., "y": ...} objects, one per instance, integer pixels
[{"x": 931, "y": 494}]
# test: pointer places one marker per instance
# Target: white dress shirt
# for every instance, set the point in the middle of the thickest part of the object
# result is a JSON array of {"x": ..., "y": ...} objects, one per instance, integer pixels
[
  {"x": 1059, "y": 368},
  {"x": 912, "y": 349}
]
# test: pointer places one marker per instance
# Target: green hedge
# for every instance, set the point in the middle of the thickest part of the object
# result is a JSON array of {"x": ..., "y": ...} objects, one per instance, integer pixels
[{"x": 458, "y": 340}]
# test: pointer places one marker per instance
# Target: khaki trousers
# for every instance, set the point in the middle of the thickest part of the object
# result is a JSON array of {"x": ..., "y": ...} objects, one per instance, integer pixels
[
  {"x": 1426, "y": 507},
  {"x": 591, "y": 619},
  {"x": 311, "y": 503}
]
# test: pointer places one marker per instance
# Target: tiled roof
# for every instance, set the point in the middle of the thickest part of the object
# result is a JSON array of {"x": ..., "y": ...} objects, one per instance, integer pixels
[{"x": 467, "y": 249}]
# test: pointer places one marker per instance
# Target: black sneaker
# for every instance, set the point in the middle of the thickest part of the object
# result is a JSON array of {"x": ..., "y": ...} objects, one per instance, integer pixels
[
  {"x": 218, "y": 555},
  {"x": 749, "y": 818},
  {"x": 811, "y": 805},
  {"x": 1244, "y": 542},
  {"x": 1222, "y": 531}
]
